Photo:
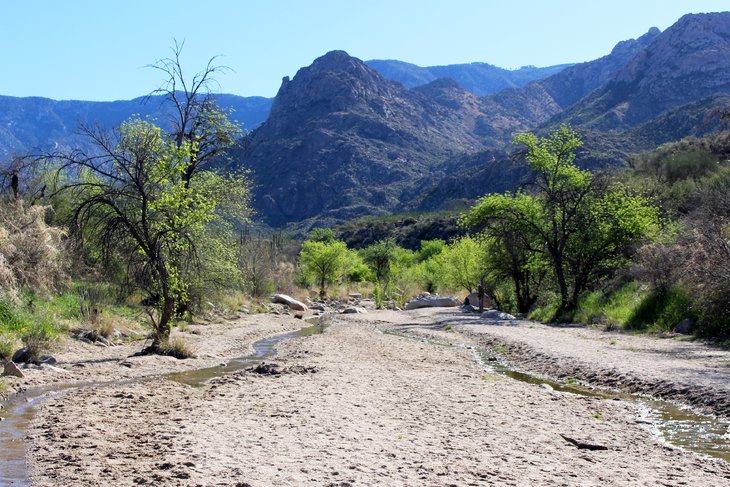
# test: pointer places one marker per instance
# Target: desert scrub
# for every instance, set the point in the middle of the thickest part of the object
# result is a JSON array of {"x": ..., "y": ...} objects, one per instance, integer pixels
[
  {"x": 33, "y": 324},
  {"x": 176, "y": 347},
  {"x": 9, "y": 343}
]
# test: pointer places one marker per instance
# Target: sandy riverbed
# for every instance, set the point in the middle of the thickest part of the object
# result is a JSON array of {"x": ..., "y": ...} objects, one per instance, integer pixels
[{"x": 364, "y": 408}]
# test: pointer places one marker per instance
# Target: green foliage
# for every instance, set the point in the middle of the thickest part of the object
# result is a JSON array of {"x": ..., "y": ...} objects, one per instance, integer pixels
[
  {"x": 8, "y": 345},
  {"x": 357, "y": 270},
  {"x": 663, "y": 310},
  {"x": 380, "y": 257},
  {"x": 379, "y": 296},
  {"x": 146, "y": 201},
  {"x": 430, "y": 249},
  {"x": 613, "y": 309},
  {"x": 463, "y": 264},
  {"x": 578, "y": 226},
  {"x": 325, "y": 263},
  {"x": 324, "y": 235},
  {"x": 34, "y": 325}
]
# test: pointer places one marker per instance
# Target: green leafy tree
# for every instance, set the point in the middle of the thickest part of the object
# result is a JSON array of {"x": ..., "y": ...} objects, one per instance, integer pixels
[
  {"x": 324, "y": 262},
  {"x": 134, "y": 197},
  {"x": 465, "y": 265},
  {"x": 513, "y": 249},
  {"x": 429, "y": 249},
  {"x": 145, "y": 197},
  {"x": 380, "y": 257},
  {"x": 319, "y": 234},
  {"x": 582, "y": 225}
]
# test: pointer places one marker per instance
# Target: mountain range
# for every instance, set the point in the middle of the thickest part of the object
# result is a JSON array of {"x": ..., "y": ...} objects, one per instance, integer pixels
[{"x": 345, "y": 138}]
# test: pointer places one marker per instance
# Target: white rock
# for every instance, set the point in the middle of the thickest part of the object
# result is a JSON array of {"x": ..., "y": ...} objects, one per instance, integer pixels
[
  {"x": 289, "y": 301},
  {"x": 428, "y": 301},
  {"x": 495, "y": 314}
]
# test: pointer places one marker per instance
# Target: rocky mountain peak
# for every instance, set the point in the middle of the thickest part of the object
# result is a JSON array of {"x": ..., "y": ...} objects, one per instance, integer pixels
[
  {"x": 333, "y": 82},
  {"x": 628, "y": 47}
]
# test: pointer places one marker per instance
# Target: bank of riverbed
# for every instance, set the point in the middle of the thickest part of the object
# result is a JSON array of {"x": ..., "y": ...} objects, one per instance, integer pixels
[{"x": 357, "y": 407}]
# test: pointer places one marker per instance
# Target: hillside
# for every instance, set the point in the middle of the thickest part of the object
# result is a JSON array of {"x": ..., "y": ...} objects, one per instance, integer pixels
[
  {"x": 479, "y": 78},
  {"x": 688, "y": 63},
  {"x": 31, "y": 124},
  {"x": 342, "y": 141}
]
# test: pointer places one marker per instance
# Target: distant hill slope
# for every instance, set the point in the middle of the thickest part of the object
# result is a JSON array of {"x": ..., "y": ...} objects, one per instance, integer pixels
[
  {"x": 479, "y": 78},
  {"x": 29, "y": 124},
  {"x": 687, "y": 63},
  {"x": 342, "y": 141}
]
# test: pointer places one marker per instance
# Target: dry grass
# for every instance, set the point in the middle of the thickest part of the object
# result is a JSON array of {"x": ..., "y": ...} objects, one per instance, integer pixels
[
  {"x": 178, "y": 348},
  {"x": 9, "y": 343}
]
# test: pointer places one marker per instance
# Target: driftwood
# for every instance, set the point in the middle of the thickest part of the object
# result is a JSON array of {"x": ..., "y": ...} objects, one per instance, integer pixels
[{"x": 582, "y": 445}]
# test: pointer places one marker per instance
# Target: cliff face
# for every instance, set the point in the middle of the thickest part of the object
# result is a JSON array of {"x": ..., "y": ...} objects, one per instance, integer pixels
[
  {"x": 687, "y": 63},
  {"x": 343, "y": 141}
]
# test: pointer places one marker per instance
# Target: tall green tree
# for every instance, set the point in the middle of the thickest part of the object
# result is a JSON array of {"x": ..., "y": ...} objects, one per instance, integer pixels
[
  {"x": 581, "y": 225},
  {"x": 380, "y": 257},
  {"x": 326, "y": 262},
  {"x": 133, "y": 197},
  {"x": 147, "y": 197}
]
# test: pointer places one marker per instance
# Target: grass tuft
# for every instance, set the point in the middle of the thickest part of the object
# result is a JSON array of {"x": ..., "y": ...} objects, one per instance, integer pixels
[{"x": 176, "y": 347}]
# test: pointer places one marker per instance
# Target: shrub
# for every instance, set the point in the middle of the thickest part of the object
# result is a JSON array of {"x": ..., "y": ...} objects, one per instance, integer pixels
[
  {"x": 662, "y": 310},
  {"x": 176, "y": 347},
  {"x": 39, "y": 338},
  {"x": 33, "y": 324},
  {"x": 31, "y": 251},
  {"x": 8, "y": 346}
]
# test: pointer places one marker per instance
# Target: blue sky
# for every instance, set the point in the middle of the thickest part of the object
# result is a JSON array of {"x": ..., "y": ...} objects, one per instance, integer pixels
[{"x": 98, "y": 50}]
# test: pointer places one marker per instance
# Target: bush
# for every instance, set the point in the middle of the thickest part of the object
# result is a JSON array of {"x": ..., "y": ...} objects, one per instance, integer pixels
[
  {"x": 662, "y": 310},
  {"x": 39, "y": 338},
  {"x": 611, "y": 309},
  {"x": 176, "y": 347},
  {"x": 31, "y": 252},
  {"x": 8, "y": 346},
  {"x": 34, "y": 325}
]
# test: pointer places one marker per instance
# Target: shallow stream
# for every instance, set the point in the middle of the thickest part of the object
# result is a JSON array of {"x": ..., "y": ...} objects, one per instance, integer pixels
[
  {"x": 675, "y": 424},
  {"x": 18, "y": 412}
]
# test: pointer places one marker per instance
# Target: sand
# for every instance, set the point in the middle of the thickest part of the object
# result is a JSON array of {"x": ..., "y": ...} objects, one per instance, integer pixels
[{"x": 355, "y": 406}]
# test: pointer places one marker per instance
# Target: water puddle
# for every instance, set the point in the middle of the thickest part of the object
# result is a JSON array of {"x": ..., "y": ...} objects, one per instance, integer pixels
[
  {"x": 18, "y": 412},
  {"x": 262, "y": 349},
  {"x": 675, "y": 424}
]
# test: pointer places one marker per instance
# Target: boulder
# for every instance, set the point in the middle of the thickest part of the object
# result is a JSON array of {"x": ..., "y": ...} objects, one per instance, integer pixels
[
  {"x": 289, "y": 301},
  {"x": 12, "y": 370},
  {"x": 473, "y": 299},
  {"x": 684, "y": 327},
  {"x": 495, "y": 314},
  {"x": 49, "y": 359},
  {"x": 21, "y": 356},
  {"x": 354, "y": 310},
  {"x": 355, "y": 296},
  {"x": 428, "y": 301}
]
